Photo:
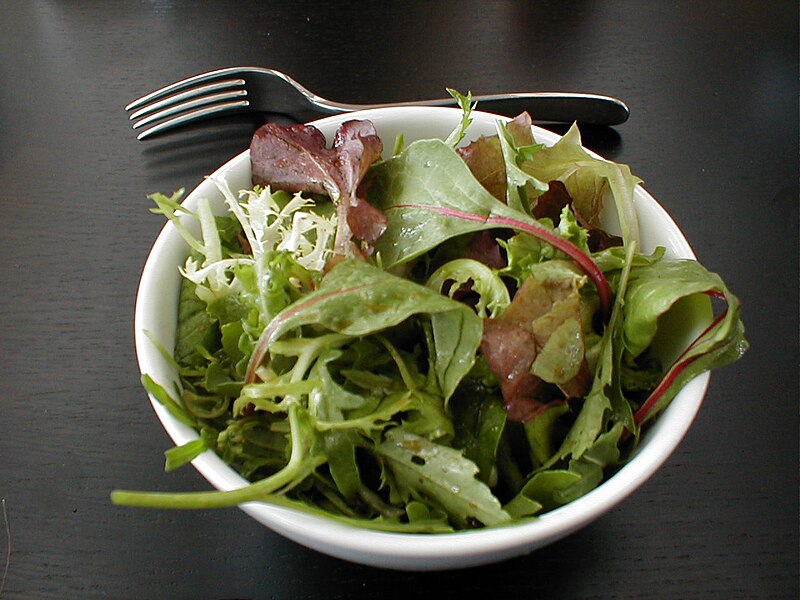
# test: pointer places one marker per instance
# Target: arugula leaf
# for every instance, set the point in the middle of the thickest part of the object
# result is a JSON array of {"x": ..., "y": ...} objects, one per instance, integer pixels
[
  {"x": 467, "y": 106},
  {"x": 550, "y": 488},
  {"x": 443, "y": 474},
  {"x": 358, "y": 299},
  {"x": 591, "y": 465},
  {"x": 305, "y": 457},
  {"x": 330, "y": 401},
  {"x": 162, "y": 395},
  {"x": 340, "y": 450},
  {"x": 601, "y": 398},
  {"x": 542, "y": 434},
  {"x": 422, "y": 522},
  {"x": 480, "y": 421},
  {"x": 180, "y": 455}
]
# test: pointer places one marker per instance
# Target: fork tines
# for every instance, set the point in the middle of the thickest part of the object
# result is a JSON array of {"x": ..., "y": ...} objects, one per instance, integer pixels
[{"x": 186, "y": 101}]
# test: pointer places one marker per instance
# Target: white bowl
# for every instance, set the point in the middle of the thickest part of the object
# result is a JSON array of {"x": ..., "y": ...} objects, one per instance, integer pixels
[{"x": 156, "y": 313}]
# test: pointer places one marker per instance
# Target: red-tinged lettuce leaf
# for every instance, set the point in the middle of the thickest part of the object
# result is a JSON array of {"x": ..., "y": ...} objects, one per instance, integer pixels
[
  {"x": 509, "y": 351},
  {"x": 357, "y": 145},
  {"x": 293, "y": 158},
  {"x": 550, "y": 204},
  {"x": 537, "y": 340},
  {"x": 296, "y": 159},
  {"x": 485, "y": 159},
  {"x": 484, "y": 248},
  {"x": 520, "y": 128},
  {"x": 652, "y": 294}
]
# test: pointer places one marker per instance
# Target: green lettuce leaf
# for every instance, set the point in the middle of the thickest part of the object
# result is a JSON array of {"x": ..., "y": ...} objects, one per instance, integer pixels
[
  {"x": 654, "y": 290},
  {"x": 518, "y": 182}
]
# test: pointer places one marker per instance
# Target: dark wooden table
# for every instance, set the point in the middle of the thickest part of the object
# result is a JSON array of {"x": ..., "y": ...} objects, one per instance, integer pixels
[{"x": 713, "y": 91}]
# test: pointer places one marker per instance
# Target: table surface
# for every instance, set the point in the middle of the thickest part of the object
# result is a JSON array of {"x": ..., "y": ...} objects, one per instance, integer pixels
[{"x": 712, "y": 87}]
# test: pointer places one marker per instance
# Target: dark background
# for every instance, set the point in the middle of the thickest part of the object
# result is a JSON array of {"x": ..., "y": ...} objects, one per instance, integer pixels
[{"x": 713, "y": 91}]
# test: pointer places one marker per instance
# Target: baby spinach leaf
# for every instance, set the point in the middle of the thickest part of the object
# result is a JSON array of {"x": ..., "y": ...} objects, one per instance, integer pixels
[{"x": 591, "y": 466}]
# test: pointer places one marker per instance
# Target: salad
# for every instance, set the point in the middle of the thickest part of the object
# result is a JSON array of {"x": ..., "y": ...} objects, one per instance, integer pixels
[{"x": 440, "y": 340}]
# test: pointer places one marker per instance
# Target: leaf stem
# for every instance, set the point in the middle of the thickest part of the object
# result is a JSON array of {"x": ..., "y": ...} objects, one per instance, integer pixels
[{"x": 300, "y": 465}]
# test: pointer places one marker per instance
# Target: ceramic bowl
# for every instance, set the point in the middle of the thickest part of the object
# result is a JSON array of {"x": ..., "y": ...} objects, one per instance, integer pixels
[{"x": 156, "y": 313}]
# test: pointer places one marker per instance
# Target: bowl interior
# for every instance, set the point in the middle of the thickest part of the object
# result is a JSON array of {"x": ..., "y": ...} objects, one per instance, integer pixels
[{"x": 156, "y": 318}]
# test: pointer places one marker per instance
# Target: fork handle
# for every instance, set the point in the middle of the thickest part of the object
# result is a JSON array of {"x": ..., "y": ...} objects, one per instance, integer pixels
[{"x": 553, "y": 107}]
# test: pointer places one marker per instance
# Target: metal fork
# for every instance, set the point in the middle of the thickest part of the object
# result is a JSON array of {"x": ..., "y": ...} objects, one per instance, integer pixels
[{"x": 247, "y": 89}]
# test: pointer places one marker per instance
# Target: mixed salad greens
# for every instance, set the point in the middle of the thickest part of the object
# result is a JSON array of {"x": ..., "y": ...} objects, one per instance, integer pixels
[{"x": 440, "y": 340}]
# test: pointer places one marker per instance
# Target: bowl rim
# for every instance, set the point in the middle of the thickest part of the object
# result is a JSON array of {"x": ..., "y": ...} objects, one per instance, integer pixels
[{"x": 413, "y": 550}]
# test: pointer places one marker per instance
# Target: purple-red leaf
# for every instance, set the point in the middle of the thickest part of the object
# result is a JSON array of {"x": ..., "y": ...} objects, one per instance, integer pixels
[
  {"x": 513, "y": 341},
  {"x": 296, "y": 158}
]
